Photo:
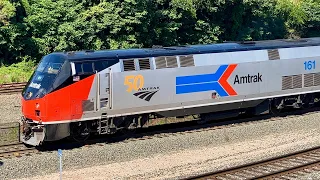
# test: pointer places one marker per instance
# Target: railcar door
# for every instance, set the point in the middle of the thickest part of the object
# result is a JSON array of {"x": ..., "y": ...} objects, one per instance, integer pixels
[{"x": 104, "y": 96}]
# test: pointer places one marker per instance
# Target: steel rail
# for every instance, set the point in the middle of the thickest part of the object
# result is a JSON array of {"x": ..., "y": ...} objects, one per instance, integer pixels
[
  {"x": 12, "y": 88},
  {"x": 15, "y": 150},
  {"x": 280, "y": 167}
]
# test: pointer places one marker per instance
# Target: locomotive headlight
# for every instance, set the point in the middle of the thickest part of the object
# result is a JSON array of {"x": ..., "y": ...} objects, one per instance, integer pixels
[
  {"x": 29, "y": 94},
  {"x": 37, "y": 106}
]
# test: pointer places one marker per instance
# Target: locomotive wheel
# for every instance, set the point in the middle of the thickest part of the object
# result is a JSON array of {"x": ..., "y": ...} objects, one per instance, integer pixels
[
  {"x": 127, "y": 133},
  {"x": 308, "y": 101},
  {"x": 80, "y": 132},
  {"x": 276, "y": 106},
  {"x": 129, "y": 129}
]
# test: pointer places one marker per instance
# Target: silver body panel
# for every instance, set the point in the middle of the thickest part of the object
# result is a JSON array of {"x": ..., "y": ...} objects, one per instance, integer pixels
[{"x": 121, "y": 101}]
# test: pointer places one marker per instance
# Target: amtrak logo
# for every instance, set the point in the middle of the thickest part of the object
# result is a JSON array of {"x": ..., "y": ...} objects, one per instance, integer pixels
[
  {"x": 147, "y": 93},
  {"x": 136, "y": 83},
  {"x": 248, "y": 79},
  {"x": 217, "y": 81}
]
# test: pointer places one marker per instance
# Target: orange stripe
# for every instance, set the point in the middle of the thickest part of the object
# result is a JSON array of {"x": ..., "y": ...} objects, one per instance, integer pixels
[{"x": 223, "y": 80}]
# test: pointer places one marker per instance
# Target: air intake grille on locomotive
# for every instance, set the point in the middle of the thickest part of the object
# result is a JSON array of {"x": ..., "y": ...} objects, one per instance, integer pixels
[
  {"x": 186, "y": 61},
  {"x": 172, "y": 62},
  {"x": 292, "y": 82},
  {"x": 312, "y": 79},
  {"x": 166, "y": 62},
  {"x": 144, "y": 64},
  {"x": 273, "y": 54},
  {"x": 128, "y": 65}
]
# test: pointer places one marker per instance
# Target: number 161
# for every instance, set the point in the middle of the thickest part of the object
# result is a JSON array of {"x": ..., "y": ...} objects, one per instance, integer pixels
[{"x": 308, "y": 65}]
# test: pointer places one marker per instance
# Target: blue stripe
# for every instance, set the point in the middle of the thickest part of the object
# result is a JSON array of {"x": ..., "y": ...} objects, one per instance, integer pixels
[
  {"x": 201, "y": 78},
  {"x": 200, "y": 88}
]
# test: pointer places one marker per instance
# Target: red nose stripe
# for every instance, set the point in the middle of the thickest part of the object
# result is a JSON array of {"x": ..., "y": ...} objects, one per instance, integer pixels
[{"x": 63, "y": 104}]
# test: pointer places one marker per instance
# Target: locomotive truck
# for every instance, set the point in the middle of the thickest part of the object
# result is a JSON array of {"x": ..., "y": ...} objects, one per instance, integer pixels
[{"x": 75, "y": 94}]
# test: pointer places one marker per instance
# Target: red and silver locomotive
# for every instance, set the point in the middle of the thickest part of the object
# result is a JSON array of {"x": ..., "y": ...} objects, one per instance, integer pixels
[{"x": 79, "y": 93}]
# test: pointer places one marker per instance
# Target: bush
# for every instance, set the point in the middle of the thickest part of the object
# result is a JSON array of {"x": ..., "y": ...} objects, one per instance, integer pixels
[{"x": 19, "y": 72}]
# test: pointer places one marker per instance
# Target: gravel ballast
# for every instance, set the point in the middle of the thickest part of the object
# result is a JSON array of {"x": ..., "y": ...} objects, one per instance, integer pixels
[
  {"x": 178, "y": 155},
  {"x": 191, "y": 162},
  {"x": 10, "y": 108}
]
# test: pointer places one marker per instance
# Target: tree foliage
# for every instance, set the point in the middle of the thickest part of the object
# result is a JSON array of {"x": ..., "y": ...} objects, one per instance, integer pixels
[{"x": 30, "y": 29}]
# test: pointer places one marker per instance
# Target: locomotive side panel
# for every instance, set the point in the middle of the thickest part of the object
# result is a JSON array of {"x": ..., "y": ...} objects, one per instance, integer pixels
[
  {"x": 175, "y": 88},
  {"x": 164, "y": 89}
]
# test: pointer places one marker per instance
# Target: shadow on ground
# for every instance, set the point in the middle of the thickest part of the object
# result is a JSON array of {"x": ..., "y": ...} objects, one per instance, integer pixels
[{"x": 180, "y": 127}]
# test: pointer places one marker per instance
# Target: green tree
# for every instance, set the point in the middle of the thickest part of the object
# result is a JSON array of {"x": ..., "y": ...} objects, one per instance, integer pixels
[
  {"x": 30, "y": 29},
  {"x": 312, "y": 24},
  {"x": 52, "y": 24},
  {"x": 110, "y": 25},
  {"x": 14, "y": 41}
]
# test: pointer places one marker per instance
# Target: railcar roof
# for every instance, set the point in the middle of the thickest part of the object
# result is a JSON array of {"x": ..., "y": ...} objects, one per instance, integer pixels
[{"x": 190, "y": 49}]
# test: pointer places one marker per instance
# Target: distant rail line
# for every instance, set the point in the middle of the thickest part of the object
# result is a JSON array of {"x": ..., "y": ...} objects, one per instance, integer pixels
[
  {"x": 15, "y": 150},
  {"x": 12, "y": 88},
  {"x": 285, "y": 167}
]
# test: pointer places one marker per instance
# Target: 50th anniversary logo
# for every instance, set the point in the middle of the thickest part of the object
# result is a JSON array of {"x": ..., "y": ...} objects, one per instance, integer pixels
[{"x": 136, "y": 83}]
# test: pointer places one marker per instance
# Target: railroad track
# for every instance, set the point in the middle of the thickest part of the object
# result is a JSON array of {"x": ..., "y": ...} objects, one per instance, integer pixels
[
  {"x": 12, "y": 88},
  {"x": 10, "y": 144},
  {"x": 285, "y": 167},
  {"x": 175, "y": 129},
  {"x": 15, "y": 150},
  {"x": 161, "y": 131}
]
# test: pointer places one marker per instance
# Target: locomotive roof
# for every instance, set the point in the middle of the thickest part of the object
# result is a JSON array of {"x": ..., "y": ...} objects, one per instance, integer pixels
[{"x": 190, "y": 49}]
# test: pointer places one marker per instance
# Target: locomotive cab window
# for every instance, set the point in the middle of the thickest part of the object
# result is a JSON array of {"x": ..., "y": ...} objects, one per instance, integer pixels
[
  {"x": 87, "y": 67},
  {"x": 101, "y": 65},
  {"x": 78, "y": 68},
  {"x": 84, "y": 68},
  {"x": 92, "y": 66},
  {"x": 52, "y": 71}
]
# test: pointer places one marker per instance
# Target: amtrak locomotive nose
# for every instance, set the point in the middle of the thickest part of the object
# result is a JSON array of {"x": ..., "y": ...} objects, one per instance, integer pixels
[
  {"x": 56, "y": 95},
  {"x": 52, "y": 72}
]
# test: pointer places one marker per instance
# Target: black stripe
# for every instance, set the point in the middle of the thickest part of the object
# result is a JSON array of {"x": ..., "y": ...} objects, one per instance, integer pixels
[
  {"x": 150, "y": 96},
  {"x": 144, "y": 95},
  {"x": 139, "y": 93}
]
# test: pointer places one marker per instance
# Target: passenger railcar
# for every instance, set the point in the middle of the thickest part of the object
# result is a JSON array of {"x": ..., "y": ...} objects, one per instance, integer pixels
[{"x": 74, "y": 94}]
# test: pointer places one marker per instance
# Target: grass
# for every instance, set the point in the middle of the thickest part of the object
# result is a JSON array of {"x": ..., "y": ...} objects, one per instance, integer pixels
[{"x": 19, "y": 72}]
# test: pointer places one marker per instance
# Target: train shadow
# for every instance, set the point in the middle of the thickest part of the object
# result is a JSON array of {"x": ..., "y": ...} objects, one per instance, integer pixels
[{"x": 179, "y": 127}]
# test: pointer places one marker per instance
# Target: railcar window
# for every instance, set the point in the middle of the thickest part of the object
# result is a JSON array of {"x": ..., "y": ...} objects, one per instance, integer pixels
[
  {"x": 100, "y": 65},
  {"x": 53, "y": 68},
  {"x": 49, "y": 73},
  {"x": 92, "y": 67},
  {"x": 87, "y": 67},
  {"x": 41, "y": 67},
  {"x": 38, "y": 78},
  {"x": 78, "y": 68}
]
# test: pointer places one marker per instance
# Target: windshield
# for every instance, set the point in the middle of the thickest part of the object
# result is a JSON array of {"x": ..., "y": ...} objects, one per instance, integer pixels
[
  {"x": 50, "y": 67},
  {"x": 44, "y": 77}
]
